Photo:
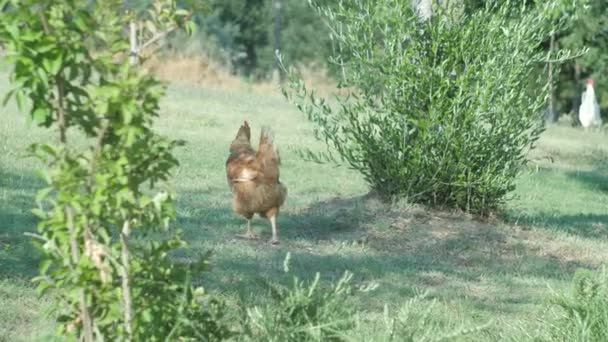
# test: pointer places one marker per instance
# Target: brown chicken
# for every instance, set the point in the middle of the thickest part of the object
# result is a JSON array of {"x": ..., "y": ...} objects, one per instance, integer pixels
[{"x": 253, "y": 178}]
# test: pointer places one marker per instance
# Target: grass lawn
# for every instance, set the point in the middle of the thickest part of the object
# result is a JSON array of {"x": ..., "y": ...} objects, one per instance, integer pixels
[{"x": 502, "y": 271}]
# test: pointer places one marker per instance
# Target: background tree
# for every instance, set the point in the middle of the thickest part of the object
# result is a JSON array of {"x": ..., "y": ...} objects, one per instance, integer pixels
[
  {"x": 246, "y": 30},
  {"x": 589, "y": 30},
  {"x": 252, "y": 23}
]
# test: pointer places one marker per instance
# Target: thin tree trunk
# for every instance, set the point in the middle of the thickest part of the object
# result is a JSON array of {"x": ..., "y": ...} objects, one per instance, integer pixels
[
  {"x": 85, "y": 315},
  {"x": 61, "y": 119},
  {"x": 126, "y": 287},
  {"x": 577, "y": 97},
  {"x": 87, "y": 324},
  {"x": 551, "y": 115},
  {"x": 134, "y": 54}
]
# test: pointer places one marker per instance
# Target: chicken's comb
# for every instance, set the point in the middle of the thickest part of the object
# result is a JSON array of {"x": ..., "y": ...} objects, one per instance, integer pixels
[{"x": 590, "y": 81}]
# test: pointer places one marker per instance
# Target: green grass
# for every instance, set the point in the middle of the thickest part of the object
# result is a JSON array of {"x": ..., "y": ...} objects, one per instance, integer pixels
[
  {"x": 569, "y": 193},
  {"x": 499, "y": 271}
]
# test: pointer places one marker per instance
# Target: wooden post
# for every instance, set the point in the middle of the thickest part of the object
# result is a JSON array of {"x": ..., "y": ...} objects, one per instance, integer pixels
[
  {"x": 276, "y": 72},
  {"x": 134, "y": 53}
]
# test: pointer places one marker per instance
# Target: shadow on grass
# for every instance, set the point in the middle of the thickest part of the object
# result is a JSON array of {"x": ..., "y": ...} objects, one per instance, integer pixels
[
  {"x": 592, "y": 226},
  {"x": 404, "y": 250},
  {"x": 18, "y": 256},
  {"x": 210, "y": 219},
  {"x": 596, "y": 180},
  {"x": 584, "y": 190}
]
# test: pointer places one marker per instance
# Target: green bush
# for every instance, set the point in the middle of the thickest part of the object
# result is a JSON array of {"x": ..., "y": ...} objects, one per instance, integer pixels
[
  {"x": 419, "y": 319},
  {"x": 440, "y": 112},
  {"x": 303, "y": 312},
  {"x": 416, "y": 322},
  {"x": 585, "y": 311},
  {"x": 309, "y": 311}
]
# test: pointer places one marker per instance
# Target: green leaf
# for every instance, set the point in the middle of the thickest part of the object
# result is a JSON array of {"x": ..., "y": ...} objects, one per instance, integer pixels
[
  {"x": 45, "y": 47},
  {"x": 8, "y": 96},
  {"x": 42, "y": 193},
  {"x": 43, "y": 286},
  {"x": 146, "y": 315},
  {"x": 42, "y": 77},
  {"x": 159, "y": 200},
  {"x": 45, "y": 175},
  {"x": 44, "y": 265},
  {"x": 53, "y": 64},
  {"x": 182, "y": 12},
  {"x": 191, "y": 27},
  {"x": 39, "y": 213},
  {"x": 20, "y": 98},
  {"x": 40, "y": 115}
]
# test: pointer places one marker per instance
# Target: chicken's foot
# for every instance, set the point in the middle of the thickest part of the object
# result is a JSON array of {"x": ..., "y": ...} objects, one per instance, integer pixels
[{"x": 250, "y": 234}]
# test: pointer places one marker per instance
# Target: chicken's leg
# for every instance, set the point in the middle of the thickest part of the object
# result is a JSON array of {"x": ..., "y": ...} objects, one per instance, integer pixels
[
  {"x": 250, "y": 233},
  {"x": 273, "y": 223}
]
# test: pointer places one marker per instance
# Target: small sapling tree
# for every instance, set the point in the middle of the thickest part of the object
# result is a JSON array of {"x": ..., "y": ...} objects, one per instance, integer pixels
[{"x": 103, "y": 197}]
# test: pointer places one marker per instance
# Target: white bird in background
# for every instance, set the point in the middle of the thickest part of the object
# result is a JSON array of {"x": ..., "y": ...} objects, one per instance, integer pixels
[{"x": 589, "y": 111}]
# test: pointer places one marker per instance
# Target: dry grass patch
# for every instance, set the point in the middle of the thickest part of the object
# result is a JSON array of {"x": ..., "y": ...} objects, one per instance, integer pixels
[{"x": 201, "y": 71}]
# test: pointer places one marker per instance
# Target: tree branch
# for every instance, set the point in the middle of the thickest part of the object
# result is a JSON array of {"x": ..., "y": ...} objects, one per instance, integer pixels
[{"x": 158, "y": 37}]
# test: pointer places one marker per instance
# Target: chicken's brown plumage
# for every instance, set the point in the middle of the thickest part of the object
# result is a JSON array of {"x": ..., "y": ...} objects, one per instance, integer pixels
[{"x": 253, "y": 178}]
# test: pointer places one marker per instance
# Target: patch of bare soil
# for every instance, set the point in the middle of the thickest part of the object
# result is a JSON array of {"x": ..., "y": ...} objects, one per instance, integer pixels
[{"x": 451, "y": 238}]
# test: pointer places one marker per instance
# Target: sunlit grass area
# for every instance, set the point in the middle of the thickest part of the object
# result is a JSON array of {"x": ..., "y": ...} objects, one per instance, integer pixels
[{"x": 502, "y": 270}]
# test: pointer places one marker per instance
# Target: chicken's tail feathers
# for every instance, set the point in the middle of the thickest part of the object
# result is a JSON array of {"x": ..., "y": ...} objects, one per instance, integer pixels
[
  {"x": 267, "y": 143},
  {"x": 267, "y": 136}
]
